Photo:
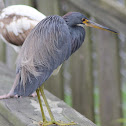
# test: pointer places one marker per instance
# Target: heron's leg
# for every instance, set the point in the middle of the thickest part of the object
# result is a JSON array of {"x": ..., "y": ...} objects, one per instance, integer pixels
[
  {"x": 40, "y": 103},
  {"x": 46, "y": 103},
  {"x": 60, "y": 123}
]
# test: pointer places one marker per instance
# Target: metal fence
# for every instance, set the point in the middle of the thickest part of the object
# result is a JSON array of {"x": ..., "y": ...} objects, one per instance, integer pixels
[{"x": 94, "y": 77}]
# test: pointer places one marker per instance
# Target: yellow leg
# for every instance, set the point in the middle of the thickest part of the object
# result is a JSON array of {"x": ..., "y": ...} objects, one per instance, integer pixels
[
  {"x": 46, "y": 103},
  {"x": 40, "y": 103},
  {"x": 60, "y": 123}
]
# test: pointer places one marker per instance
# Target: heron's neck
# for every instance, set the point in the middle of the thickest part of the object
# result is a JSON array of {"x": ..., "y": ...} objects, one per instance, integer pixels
[
  {"x": 77, "y": 37},
  {"x": 68, "y": 21}
]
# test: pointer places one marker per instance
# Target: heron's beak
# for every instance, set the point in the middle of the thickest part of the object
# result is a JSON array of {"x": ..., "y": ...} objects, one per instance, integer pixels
[{"x": 95, "y": 25}]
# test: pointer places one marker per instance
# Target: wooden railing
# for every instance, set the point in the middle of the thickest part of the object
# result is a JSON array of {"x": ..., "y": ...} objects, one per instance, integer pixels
[
  {"x": 26, "y": 111},
  {"x": 98, "y": 66}
]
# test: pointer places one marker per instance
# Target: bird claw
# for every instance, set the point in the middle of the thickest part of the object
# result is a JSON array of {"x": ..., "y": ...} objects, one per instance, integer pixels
[
  {"x": 59, "y": 123},
  {"x": 33, "y": 95},
  {"x": 7, "y": 96}
]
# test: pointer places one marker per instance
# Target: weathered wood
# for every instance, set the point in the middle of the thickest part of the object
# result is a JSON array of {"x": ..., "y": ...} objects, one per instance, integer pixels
[
  {"x": 11, "y": 57},
  {"x": 108, "y": 77},
  {"x": 87, "y": 90},
  {"x": 111, "y": 17},
  {"x": 48, "y": 7},
  {"x": 82, "y": 80},
  {"x": 114, "y": 4},
  {"x": 15, "y": 2},
  {"x": 2, "y": 51},
  {"x": 54, "y": 84},
  {"x": 2, "y": 45},
  {"x": 1, "y": 5},
  {"x": 81, "y": 74},
  {"x": 26, "y": 111}
]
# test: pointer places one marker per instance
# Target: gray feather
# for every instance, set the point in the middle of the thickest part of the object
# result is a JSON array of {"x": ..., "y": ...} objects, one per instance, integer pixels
[{"x": 46, "y": 47}]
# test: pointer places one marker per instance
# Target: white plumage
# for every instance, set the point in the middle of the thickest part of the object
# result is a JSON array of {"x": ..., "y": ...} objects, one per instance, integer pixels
[
  {"x": 24, "y": 11},
  {"x": 16, "y": 22}
]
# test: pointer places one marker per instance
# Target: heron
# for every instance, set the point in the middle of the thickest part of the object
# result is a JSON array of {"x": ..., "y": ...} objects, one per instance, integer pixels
[
  {"x": 16, "y": 22},
  {"x": 49, "y": 44}
]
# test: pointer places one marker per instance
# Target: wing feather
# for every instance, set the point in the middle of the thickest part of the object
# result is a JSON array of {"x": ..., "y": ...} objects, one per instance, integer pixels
[{"x": 46, "y": 48}]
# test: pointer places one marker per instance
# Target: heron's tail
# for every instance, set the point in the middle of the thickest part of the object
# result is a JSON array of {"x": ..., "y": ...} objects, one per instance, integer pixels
[{"x": 32, "y": 82}]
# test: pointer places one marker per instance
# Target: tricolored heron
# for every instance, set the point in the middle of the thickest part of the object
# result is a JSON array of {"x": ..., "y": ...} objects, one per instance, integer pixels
[
  {"x": 47, "y": 46},
  {"x": 16, "y": 22}
]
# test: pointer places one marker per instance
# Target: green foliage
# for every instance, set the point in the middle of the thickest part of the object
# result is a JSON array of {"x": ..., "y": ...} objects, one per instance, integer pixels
[
  {"x": 68, "y": 99},
  {"x": 96, "y": 99},
  {"x": 124, "y": 100},
  {"x": 122, "y": 120}
]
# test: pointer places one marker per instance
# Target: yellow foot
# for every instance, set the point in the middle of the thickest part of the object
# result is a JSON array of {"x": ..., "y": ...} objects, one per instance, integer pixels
[{"x": 59, "y": 123}]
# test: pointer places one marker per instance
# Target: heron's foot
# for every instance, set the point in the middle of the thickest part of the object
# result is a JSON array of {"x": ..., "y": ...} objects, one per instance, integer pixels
[
  {"x": 33, "y": 95},
  {"x": 59, "y": 123},
  {"x": 7, "y": 96}
]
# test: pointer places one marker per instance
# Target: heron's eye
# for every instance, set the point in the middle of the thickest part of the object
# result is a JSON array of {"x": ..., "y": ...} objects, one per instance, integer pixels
[{"x": 83, "y": 19}]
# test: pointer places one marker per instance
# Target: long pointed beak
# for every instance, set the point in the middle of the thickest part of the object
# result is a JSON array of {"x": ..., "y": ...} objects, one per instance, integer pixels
[{"x": 98, "y": 26}]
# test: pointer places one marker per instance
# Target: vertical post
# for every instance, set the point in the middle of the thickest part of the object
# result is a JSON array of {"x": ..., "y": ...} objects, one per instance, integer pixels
[
  {"x": 125, "y": 3},
  {"x": 2, "y": 45},
  {"x": 49, "y": 7},
  {"x": 82, "y": 79},
  {"x": 2, "y": 51},
  {"x": 55, "y": 83},
  {"x": 108, "y": 77},
  {"x": 1, "y": 5}
]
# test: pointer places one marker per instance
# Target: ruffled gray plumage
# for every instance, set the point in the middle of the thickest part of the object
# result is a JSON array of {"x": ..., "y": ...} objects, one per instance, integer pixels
[{"x": 45, "y": 48}]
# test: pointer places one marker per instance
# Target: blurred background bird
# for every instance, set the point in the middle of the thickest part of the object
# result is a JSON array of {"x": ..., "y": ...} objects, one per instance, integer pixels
[
  {"x": 47, "y": 46},
  {"x": 16, "y": 22}
]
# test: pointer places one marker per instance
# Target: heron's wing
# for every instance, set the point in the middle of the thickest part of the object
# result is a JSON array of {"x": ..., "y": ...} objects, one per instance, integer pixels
[{"x": 46, "y": 47}]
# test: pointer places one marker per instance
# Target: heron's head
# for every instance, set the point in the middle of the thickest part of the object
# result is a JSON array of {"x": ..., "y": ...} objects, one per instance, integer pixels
[{"x": 76, "y": 18}]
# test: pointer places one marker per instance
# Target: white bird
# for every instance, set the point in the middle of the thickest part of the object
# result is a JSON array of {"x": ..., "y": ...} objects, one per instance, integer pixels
[{"x": 16, "y": 22}]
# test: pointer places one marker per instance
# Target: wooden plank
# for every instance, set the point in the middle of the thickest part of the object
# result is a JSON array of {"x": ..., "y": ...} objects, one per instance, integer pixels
[
  {"x": 26, "y": 111},
  {"x": 8, "y": 119},
  {"x": 116, "y": 5},
  {"x": 110, "y": 17},
  {"x": 11, "y": 57},
  {"x": 15, "y": 2},
  {"x": 108, "y": 77},
  {"x": 48, "y": 7},
  {"x": 2, "y": 51},
  {"x": 55, "y": 83},
  {"x": 82, "y": 79},
  {"x": 1, "y": 5},
  {"x": 2, "y": 45}
]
